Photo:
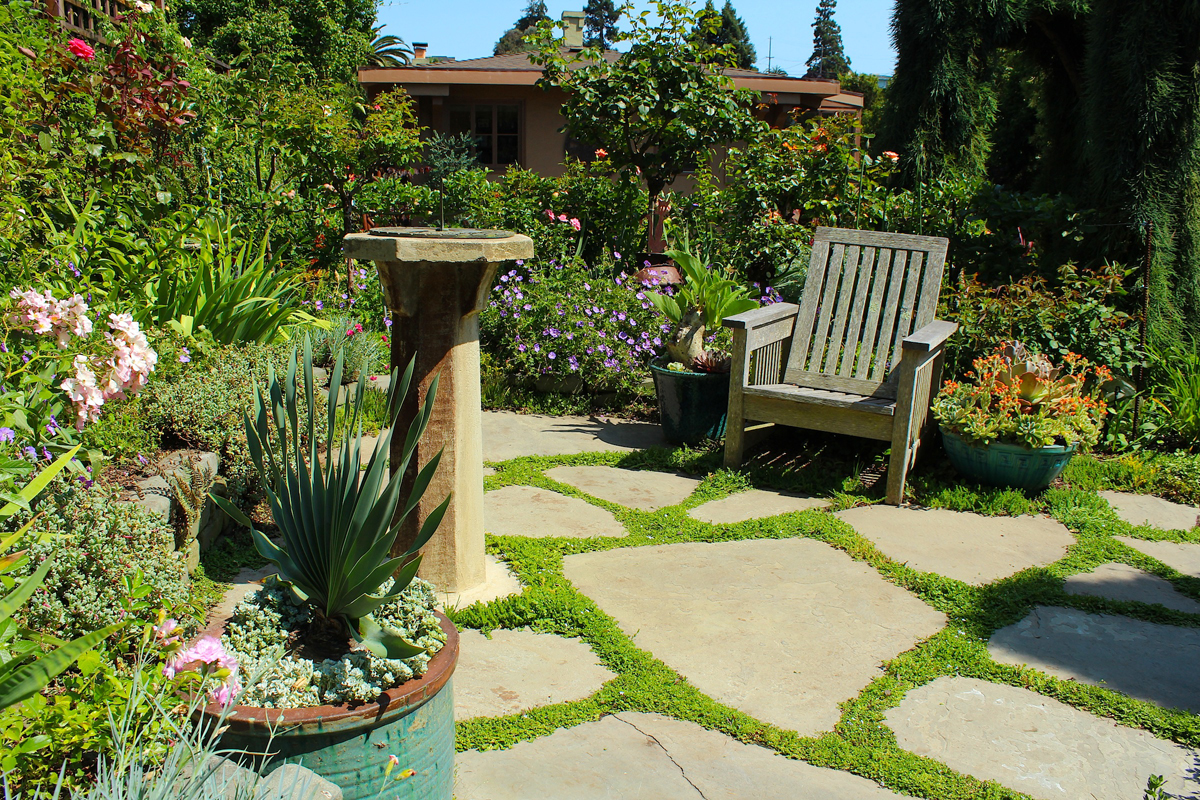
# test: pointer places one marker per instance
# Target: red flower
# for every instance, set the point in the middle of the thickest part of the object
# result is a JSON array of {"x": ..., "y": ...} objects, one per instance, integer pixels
[{"x": 81, "y": 49}]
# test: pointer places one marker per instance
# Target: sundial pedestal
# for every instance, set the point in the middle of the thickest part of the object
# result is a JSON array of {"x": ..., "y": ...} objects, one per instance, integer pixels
[{"x": 435, "y": 283}]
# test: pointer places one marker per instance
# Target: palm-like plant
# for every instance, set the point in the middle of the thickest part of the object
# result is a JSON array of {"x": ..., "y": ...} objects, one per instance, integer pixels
[
  {"x": 388, "y": 51},
  {"x": 337, "y": 523}
]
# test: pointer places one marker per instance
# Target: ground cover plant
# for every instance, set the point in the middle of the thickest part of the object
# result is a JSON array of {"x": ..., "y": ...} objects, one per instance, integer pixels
[{"x": 859, "y": 742}]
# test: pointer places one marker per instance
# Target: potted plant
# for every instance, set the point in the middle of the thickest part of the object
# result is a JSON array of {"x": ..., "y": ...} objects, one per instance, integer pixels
[
  {"x": 1017, "y": 419},
  {"x": 692, "y": 382},
  {"x": 355, "y": 662}
]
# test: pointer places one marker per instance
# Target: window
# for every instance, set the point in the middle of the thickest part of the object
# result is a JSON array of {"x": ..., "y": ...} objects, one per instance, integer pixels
[{"x": 496, "y": 129}]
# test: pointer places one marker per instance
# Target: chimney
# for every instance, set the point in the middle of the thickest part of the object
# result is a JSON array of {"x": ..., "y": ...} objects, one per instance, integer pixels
[
  {"x": 419, "y": 49},
  {"x": 573, "y": 35}
]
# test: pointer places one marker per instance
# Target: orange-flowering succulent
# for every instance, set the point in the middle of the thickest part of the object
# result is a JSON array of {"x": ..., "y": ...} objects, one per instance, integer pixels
[{"x": 1019, "y": 397}]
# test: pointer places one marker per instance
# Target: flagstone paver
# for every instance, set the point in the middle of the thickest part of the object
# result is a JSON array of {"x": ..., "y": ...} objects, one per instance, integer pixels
[
  {"x": 1146, "y": 509},
  {"x": 783, "y": 630},
  {"x": 1034, "y": 744},
  {"x": 498, "y": 581},
  {"x": 1183, "y": 556},
  {"x": 632, "y": 488},
  {"x": 635, "y": 756},
  {"x": 530, "y": 511},
  {"x": 517, "y": 670},
  {"x": 1146, "y": 660},
  {"x": 968, "y": 547},
  {"x": 1123, "y": 582},
  {"x": 509, "y": 435},
  {"x": 754, "y": 504}
]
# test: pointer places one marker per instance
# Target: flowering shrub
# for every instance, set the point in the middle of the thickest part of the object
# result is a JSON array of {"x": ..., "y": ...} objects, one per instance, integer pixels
[
  {"x": 208, "y": 657},
  {"x": 1017, "y": 397},
  {"x": 556, "y": 321}
]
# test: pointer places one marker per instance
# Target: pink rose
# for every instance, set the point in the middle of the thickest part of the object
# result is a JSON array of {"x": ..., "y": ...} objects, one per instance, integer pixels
[
  {"x": 81, "y": 49},
  {"x": 575, "y": 224}
]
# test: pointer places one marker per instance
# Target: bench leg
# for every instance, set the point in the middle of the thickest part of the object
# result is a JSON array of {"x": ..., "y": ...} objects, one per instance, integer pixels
[
  {"x": 735, "y": 442},
  {"x": 735, "y": 418},
  {"x": 897, "y": 473}
]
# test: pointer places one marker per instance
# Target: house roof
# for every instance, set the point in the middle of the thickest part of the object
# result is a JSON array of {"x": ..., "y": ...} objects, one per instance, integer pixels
[{"x": 515, "y": 69}]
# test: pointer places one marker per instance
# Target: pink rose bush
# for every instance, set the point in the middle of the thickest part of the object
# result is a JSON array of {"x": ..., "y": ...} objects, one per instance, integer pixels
[
  {"x": 42, "y": 314},
  {"x": 81, "y": 49}
]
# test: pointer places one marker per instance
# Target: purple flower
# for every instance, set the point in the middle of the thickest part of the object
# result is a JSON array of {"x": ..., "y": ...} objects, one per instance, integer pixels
[
  {"x": 616, "y": 254},
  {"x": 520, "y": 348},
  {"x": 185, "y": 355},
  {"x": 7, "y": 434},
  {"x": 387, "y": 322},
  {"x": 520, "y": 262},
  {"x": 572, "y": 363},
  {"x": 46, "y": 454},
  {"x": 142, "y": 459},
  {"x": 551, "y": 355},
  {"x": 31, "y": 452},
  {"x": 345, "y": 296},
  {"x": 318, "y": 305}
]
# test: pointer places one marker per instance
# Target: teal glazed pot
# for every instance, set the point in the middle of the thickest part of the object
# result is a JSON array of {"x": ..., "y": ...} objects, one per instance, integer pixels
[
  {"x": 349, "y": 747},
  {"x": 1000, "y": 464},
  {"x": 691, "y": 405}
]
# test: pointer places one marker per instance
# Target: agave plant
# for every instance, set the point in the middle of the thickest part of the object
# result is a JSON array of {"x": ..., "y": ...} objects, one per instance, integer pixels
[
  {"x": 338, "y": 523},
  {"x": 24, "y": 668},
  {"x": 702, "y": 302}
]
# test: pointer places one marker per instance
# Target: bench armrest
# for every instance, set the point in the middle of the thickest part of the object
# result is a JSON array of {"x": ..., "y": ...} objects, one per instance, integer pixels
[
  {"x": 763, "y": 315},
  {"x": 931, "y": 337}
]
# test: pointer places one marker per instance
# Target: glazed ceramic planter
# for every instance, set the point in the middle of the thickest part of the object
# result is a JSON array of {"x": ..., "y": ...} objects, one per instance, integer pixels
[
  {"x": 1000, "y": 464},
  {"x": 350, "y": 746},
  {"x": 691, "y": 405}
]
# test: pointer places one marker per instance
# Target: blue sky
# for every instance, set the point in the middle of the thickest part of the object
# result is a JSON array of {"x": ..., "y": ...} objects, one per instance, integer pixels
[{"x": 470, "y": 28}]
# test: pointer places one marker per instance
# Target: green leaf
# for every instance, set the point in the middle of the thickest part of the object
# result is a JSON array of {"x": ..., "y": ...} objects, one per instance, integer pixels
[{"x": 381, "y": 643}]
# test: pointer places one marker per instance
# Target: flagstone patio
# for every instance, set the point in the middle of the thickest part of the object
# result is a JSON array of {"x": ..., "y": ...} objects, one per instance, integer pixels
[{"x": 713, "y": 641}]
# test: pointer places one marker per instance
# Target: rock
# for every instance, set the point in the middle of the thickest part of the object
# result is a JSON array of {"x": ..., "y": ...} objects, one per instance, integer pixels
[
  {"x": 533, "y": 512},
  {"x": 509, "y": 435},
  {"x": 643, "y": 489},
  {"x": 1034, "y": 744},
  {"x": 292, "y": 782},
  {"x": 1145, "y": 660},
  {"x": 1146, "y": 509},
  {"x": 636, "y": 756},
  {"x": 968, "y": 547},
  {"x": 1182, "y": 556},
  {"x": 517, "y": 670},
  {"x": 1123, "y": 582},
  {"x": 783, "y": 630},
  {"x": 754, "y": 504},
  {"x": 225, "y": 778}
]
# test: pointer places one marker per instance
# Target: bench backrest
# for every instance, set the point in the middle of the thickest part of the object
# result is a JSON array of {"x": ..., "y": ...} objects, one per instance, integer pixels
[{"x": 865, "y": 291}]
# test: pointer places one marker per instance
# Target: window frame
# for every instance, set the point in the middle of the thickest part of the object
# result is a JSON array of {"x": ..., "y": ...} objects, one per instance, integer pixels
[{"x": 495, "y": 105}]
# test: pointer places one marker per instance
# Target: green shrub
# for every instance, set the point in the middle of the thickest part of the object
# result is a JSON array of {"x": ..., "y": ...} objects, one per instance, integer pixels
[
  {"x": 96, "y": 542},
  {"x": 364, "y": 352}
]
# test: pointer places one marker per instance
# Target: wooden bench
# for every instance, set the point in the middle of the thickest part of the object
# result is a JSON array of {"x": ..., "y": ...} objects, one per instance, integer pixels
[{"x": 861, "y": 355}]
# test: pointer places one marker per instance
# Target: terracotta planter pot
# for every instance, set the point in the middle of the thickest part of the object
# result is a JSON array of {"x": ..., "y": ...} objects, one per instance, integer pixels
[{"x": 350, "y": 746}]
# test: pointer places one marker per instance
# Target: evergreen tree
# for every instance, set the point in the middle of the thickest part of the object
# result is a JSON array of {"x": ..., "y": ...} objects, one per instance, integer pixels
[
  {"x": 828, "y": 60},
  {"x": 722, "y": 29},
  {"x": 599, "y": 23},
  {"x": 513, "y": 40}
]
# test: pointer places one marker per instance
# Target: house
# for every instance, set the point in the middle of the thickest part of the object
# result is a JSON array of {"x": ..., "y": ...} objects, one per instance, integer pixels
[
  {"x": 515, "y": 122},
  {"x": 79, "y": 17}
]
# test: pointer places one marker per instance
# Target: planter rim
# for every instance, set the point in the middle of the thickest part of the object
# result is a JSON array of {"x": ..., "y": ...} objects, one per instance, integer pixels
[
  {"x": 246, "y": 719},
  {"x": 1050, "y": 448},
  {"x": 686, "y": 372}
]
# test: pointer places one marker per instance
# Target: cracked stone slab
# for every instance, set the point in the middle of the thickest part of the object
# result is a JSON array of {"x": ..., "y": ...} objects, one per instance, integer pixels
[
  {"x": 518, "y": 670},
  {"x": 1146, "y": 509},
  {"x": 754, "y": 504},
  {"x": 530, "y": 511},
  {"x": 972, "y": 548},
  {"x": 509, "y": 435},
  {"x": 1145, "y": 660},
  {"x": 633, "y": 488},
  {"x": 783, "y": 630},
  {"x": 1123, "y": 582},
  {"x": 636, "y": 756},
  {"x": 1182, "y": 556},
  {"x": 498, "y": 582},
  {"x": 1035, "y": 744}
]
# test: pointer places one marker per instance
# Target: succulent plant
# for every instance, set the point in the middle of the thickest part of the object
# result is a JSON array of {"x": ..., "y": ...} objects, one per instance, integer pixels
[
  {"x": 1034, "y": 377},
  {"x": 337, "y": 523}
]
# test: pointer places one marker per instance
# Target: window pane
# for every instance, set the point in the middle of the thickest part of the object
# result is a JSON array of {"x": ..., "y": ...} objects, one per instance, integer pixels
[
  {"x": 460, "y": 119},
  {"x": 483, "y": 119},
  {"x": 506, "y": 149},
  {"x": 506, "y": 119},
  {"x": 483, "y": 150}
]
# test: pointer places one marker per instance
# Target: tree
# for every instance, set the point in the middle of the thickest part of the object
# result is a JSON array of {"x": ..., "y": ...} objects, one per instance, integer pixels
[
  {"x": 388, "y": 51},
  {"x": 828, "y": 60},
  {"x": 331, "y": 37},
  {"x": 725, "y": 29},
  {"x": 599, "y": 23},
  {"x": 657, "y": 108},
  {"x": 513, "y": 40}
]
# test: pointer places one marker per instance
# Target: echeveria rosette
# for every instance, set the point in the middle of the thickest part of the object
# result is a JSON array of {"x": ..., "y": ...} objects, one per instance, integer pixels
[
  {"x": 1017, "y": 397},
  {"x": 336, "y": 531}
]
